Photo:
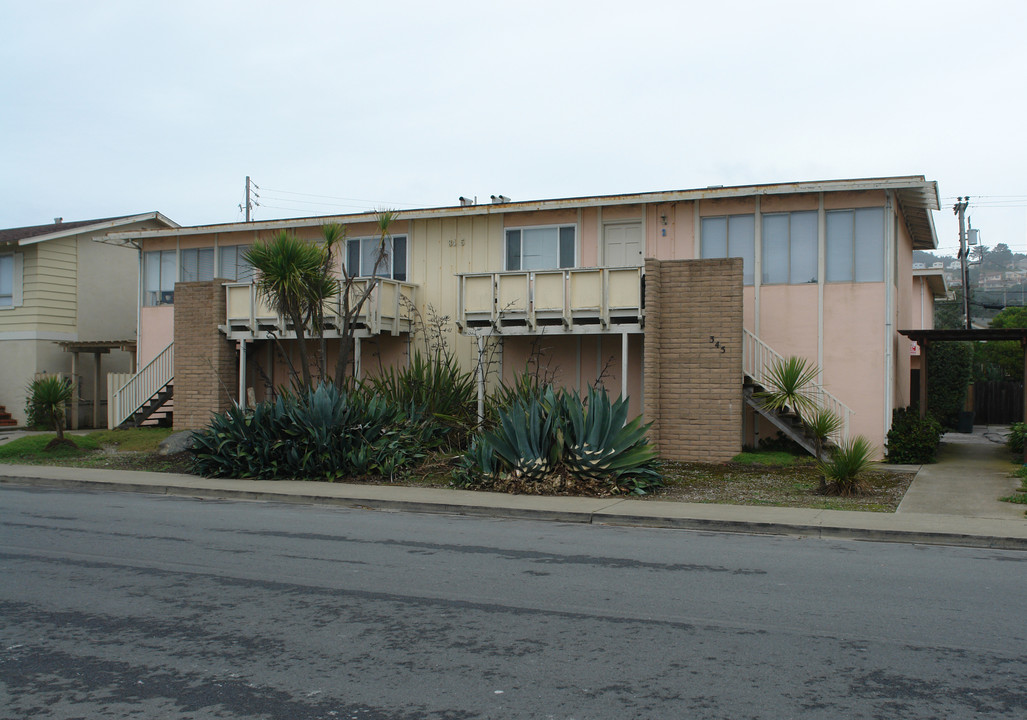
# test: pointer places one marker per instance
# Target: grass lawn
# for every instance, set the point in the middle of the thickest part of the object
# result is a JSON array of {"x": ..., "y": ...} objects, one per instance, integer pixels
[
  {"x": 763, "y": 478},
  {"x": 134, "y": 449}
]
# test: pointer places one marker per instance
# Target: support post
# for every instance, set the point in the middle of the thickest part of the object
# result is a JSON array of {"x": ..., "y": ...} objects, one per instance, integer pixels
[
  {"x": 96, "y": 389},
  {"x": 923, "y": 379},
  {"x": 356, "y": 358},
  {"x": 481, "y": 379},
  {"x": 74, "y": 391},
  {"x": 242, "y": 374},
  {"x": 624, "y": 365}
]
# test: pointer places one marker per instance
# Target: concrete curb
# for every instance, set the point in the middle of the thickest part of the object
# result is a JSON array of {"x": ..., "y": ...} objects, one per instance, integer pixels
[{"x": 794, "y": 522}]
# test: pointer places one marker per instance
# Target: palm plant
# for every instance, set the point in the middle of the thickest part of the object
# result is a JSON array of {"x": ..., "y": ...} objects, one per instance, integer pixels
[
  {"x": 49, "y": 394},
  {"x": 787, "y": 383},
  {"x": 296, "y": 278}
]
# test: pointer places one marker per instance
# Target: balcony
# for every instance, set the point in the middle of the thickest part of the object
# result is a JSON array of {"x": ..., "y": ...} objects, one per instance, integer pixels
[
  {"x": 388, "y": 309},
  {"x": 576, "y": 301}
]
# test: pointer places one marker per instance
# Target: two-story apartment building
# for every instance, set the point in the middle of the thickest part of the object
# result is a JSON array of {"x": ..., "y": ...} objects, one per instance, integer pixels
[
  {"x": 672, "y": 298},
  {"x": 66, "y": 302}
]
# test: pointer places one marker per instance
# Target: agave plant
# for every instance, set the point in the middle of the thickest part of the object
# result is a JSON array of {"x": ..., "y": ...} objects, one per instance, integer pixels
[
  {"x": 600, "y": 444},
  {"x": 523, "y": 439},
  {"x": 845, "y": 465},
  {"x": 786, "y": 386}
]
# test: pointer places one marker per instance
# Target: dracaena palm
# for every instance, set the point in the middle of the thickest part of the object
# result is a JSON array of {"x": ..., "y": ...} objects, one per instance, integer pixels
[
  {"x": 296, "y": 278},
  {"x": 787, "y": 386}
]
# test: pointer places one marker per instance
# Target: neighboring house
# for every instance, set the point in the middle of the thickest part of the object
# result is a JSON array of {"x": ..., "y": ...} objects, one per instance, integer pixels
[
  {"x": 678, "y": 299},
  {"x": 66, "y": 300}
]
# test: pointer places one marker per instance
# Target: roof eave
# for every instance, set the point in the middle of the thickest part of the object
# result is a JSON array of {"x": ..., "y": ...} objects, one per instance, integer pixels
[{"x": 118, "y": 222}]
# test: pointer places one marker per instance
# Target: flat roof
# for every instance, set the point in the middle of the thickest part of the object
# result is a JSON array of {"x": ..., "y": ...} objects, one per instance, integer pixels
[{"x": 916, "y": 196}]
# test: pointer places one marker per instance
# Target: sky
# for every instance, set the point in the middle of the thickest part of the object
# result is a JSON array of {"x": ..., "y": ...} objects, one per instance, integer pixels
[{"x": 120, "y": 107}]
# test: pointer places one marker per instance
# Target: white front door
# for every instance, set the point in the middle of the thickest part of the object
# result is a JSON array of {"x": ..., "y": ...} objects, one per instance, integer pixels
[{"x": 622, "y": 244}]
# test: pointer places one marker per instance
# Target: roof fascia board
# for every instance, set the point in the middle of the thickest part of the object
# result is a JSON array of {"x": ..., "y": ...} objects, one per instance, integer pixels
[
  {"x": 892, "y": 183},
  {"x": 86, "y": 229}
]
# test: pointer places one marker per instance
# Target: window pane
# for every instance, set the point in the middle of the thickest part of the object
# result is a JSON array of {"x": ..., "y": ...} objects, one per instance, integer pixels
[
  {"x": 374, "y": 257},
  {"x": 244, "y": 272},
  {"x": 539, "y": 249},
  {"x": 205, "y": 264},
  {"x": 803, "y": 250},
  {"x": 741, "y": 242},
  {"x": 151, "y": 277},
  {"x": 566, "y": 247},
  {"x": 6, "y": 280},
  {"x": 228, "y": 268},
  {"x": 869, "y": 245},
  {"x": 189, "y": 258},
  {"x": 353, "y": 258},
  {"x": 399, "y": 258},
  {"x": 714, "y": 237},
  {"x": 839, "y": 246},
  {"x": 168, "y": 271},
  {"x": 513, "y": 249},
  {"x": 775, "y": 249}
]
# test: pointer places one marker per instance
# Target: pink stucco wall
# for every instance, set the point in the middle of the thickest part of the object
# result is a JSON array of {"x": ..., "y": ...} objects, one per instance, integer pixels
[{"x": 156, "y": 331}]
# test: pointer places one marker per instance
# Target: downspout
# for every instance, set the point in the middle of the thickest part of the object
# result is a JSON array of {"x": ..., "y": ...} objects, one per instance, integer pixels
[
  {"x": 889, "y": 303},
  {"x": 139, "y": 314},
  {"x": 821, "y": 272},
  {"x": 757, "y": 264}
]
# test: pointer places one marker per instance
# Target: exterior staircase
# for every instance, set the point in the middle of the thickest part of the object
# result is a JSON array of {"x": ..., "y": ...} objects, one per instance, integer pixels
[
  {"x": 757, "y": 359},
  {"x": 5, "y": 418},
  {"x": 145, "y": 397}
]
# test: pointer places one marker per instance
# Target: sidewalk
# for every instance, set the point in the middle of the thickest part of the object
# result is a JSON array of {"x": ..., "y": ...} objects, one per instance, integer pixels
[{"x": 953, "y": 502}]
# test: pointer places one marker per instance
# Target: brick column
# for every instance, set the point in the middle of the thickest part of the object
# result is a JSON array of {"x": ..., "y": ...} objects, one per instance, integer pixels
[
  {"x": 693, "y": 358},
  {"x": 205, "y": 360}
]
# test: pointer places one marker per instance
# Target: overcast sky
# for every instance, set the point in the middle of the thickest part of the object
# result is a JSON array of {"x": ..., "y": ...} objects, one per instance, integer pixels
[{"x": 112, "y": 108}]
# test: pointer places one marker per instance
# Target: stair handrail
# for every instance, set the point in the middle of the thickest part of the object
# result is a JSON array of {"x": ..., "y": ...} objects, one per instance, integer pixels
[
  {"x": 758, "y": 358},
  {"x": 142, "y": 386}
]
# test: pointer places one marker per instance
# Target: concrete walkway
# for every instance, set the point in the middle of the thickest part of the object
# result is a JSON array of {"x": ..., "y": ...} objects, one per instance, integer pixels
[
  {"x": 953, "y": 502},
  {"x": 972, "y": 472}
]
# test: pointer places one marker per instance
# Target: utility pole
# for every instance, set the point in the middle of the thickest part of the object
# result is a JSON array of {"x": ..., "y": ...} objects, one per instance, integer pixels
[
  {"x": 960, "y": 209},
  {"x": 251, "y": 197}
]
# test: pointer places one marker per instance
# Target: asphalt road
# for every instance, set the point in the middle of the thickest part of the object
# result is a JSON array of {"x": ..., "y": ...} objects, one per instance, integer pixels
[{"x": 132, "y": 606}]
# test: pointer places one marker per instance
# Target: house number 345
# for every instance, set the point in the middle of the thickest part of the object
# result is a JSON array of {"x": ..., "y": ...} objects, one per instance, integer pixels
[{"x": 716, "y": 343}]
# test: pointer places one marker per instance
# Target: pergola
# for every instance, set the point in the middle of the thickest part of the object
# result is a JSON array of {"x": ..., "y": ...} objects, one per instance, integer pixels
[
  {"x": 97, "y": 348},
  {"x": 925, "y": 337}
]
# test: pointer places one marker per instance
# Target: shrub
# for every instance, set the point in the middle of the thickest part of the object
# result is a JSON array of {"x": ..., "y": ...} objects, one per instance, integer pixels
[
  {"x": 845, "y": 465},
  {"x": 549, "y": 433},
  {"x": 1015, "y": 440},
  {"x": 435, "y": 387},
  {"x": 320, "y": 434},
  {"x": 913, "y": 440},
  {"x": 949, "y": 367}
]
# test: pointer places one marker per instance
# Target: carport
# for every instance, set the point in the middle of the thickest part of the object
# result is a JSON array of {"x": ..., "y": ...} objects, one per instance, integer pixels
[{"x": 925, "y": 337}]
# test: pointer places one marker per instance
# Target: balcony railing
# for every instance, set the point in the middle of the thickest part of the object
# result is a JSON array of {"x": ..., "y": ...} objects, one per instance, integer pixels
[
  {"x": 576, "y": 300},
  {"x": 388, "y": 309}
]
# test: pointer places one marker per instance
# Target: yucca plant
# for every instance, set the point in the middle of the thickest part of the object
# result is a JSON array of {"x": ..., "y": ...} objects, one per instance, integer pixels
[
  {"x": 821, "y": 425},
  {"x": 845, "y": 465},
  {"x": 786, "y": 386}
]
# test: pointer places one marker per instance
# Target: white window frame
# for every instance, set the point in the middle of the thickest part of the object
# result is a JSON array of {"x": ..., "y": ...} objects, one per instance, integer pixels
[
  {"x": 390, "y": 271},
  {"x": 562, "y": 263},
  {"x": 17, "y": 271}
]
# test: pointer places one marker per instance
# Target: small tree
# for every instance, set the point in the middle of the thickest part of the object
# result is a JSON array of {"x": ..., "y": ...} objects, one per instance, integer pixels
[{"x": 49, "y": 394}]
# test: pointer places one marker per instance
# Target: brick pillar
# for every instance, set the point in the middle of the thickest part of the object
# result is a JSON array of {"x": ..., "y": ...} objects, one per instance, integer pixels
[
  {"x": 205, "y": 360},
  {"x": 693, "y": 358}
]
